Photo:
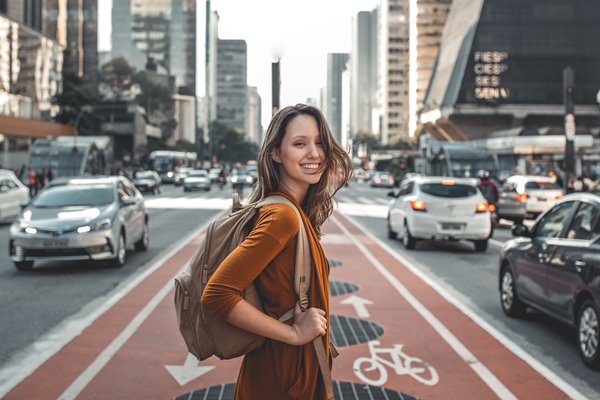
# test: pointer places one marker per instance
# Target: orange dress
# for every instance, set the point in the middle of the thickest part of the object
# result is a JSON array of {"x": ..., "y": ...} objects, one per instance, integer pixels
[{"x": 267, "y": 257}]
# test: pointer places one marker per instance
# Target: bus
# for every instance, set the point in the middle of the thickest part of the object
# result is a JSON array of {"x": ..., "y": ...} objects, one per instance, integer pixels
[
  {"x": 168, "y": 162},
  {"x": 72, "y": 155},
  {"x": 463, "y": 160},
  {"x": 398, "y": 164}
]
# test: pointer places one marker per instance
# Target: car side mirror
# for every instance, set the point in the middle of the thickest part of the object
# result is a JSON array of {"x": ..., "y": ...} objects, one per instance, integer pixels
[
  {"x": 520, "y": 230},
  {"x": 392, "y": 193}
]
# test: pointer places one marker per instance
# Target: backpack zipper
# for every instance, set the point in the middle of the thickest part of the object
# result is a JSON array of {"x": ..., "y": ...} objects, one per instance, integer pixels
[
  {"x": 186, "y": 300},
  {"x": 209, "y": 235},
  {"x": 204, "y": 274}
]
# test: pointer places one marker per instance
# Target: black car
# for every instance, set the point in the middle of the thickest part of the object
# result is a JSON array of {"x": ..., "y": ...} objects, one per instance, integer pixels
[
  {"x": 147, "y": 181},
  {"x": 555, "y": 268}
]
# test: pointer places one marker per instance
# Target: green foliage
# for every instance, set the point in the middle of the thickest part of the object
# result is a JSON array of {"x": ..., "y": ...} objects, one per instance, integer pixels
[
  {"x": 77, "y": 93},
  {"x": 118, "y": 75},
  {"x": 230, "y": 146},
  {"x": 153, "y": 96}
]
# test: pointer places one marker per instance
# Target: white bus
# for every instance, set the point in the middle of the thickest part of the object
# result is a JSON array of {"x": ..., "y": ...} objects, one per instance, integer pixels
[{"x": 168, "y": 162}]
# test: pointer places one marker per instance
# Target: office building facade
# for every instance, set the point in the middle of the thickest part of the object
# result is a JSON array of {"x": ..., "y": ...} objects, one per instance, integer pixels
[
  {"x": 336, "y": 65},
  {"x": 363, "y": 73},
  {"x": 501, "y": 67},
  {"x": 393, "y": 76},
  {"x": 232, "y": 86},
  {"x": 158, "y": 32}
]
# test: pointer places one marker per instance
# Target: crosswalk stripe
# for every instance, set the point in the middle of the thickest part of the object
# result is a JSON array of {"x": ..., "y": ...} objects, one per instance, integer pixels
[{"x": 360, "y": 206}]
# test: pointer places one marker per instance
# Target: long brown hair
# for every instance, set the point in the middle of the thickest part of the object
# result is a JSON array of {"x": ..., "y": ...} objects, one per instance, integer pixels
[{"x": 318, "y": 202}]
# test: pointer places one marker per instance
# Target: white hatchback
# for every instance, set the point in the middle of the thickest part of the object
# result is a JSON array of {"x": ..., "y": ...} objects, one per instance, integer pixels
[
  {"x": 441, "y": 208},
  {"x": 14, "y": 195}
]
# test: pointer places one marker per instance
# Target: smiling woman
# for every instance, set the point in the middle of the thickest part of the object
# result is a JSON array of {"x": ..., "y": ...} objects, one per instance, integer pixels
[{"x": 301, "y": 161}]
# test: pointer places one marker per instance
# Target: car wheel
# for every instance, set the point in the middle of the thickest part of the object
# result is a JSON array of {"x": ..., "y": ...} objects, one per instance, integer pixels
[
  {"x": 24, "y": 265},
  {"x": 408, "y": 241},
  {"x": 588, "y": 337},
  {"x": 390, "y": 233},
  {"x": 481, "y": 245},
  {"x": 142, "y": 244},
  {"x": 119, "y": 260},
  {"x": 511, "y": 304}
]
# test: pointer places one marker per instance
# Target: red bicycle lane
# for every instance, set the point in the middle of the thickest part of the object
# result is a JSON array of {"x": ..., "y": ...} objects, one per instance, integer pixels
[{"x": 134, "y": 350}]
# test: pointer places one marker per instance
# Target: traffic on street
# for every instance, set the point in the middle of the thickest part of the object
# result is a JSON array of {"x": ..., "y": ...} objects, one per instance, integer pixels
[{"x": 423, "y": 322}]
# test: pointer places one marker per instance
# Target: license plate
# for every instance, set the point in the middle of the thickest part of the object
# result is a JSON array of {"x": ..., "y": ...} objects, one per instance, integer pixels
[
  {"x": 451, "y": 226},
  {"x": 55, "y": 243},
  {"x": 542, "y": 199}
]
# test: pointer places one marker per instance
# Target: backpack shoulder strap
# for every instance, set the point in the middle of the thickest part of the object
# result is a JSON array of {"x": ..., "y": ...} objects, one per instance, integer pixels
[
  {"x": 301, "y": 284},
  {"x": 302, "y": 270}
]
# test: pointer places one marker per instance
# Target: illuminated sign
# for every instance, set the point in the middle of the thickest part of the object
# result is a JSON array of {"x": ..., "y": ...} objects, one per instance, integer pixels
[{"x": 489, "y": 67}]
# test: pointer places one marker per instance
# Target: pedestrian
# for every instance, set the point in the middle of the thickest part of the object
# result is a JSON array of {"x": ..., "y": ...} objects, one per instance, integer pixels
[
  {"x": 32, "y": 182},
  {"x": 300, "y": 161},
  {"x": 41, "y": 179}
]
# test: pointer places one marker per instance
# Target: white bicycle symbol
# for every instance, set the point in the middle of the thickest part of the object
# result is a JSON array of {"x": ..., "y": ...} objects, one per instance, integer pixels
[{"x": 401, "y": 363}]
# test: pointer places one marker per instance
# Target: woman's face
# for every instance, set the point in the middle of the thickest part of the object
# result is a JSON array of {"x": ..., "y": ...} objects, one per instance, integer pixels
[{"x": 301, "y": 155}]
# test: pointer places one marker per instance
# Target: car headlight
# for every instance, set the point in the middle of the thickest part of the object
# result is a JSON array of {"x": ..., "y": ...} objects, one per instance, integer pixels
[
  {"x": 23, "y": 227},
  {"x": 170, "y": 174},
  {"x": 98, "y": 226},
  {"x": 248, "y": 179},
  {"x": 234, "y": 179}
]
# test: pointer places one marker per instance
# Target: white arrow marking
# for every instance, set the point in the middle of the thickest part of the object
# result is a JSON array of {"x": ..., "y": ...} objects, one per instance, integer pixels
[
  {"x": 189, "y": 371},
  {"x": 359, "y": 305}
]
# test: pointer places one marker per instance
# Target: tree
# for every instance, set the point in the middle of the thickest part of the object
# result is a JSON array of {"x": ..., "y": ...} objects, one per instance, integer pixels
[
  {"x": 230, "y": 145},
  {"x": 76, "y": 94},
  {"x": 116, "y": 80}
]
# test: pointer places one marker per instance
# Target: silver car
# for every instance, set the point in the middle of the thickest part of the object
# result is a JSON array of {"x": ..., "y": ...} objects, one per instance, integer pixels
[
  {"x": 527, "y": 196},
  {"x": 81, "y": 219},
  {"x": 196, "y": 180}
]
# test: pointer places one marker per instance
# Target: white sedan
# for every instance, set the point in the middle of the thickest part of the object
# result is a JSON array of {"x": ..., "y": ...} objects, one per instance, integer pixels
[
  {"x": 196, "y": 180},
  {"x": 14, "y": 195},
  {"x": 441, "y": 208}
]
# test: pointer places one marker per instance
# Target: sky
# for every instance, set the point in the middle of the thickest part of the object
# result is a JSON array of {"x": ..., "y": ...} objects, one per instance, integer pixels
[{"x": 300, "y": 33}]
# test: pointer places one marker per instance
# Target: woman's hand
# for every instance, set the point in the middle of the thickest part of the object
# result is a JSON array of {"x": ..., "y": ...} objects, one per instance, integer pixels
[{"x": 307, "y": 325}]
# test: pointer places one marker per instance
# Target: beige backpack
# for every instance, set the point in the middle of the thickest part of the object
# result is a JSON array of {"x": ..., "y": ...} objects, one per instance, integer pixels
[{"x": 205, "y": 334}]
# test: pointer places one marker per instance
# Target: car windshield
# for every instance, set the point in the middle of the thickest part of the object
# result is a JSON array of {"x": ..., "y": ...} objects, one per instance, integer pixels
[
  {"x": 144, "y": 175},
  {"x": 197, "y": 174},
  {"x": 441, "y": 190},
  {"x": 543, "y": 185},
  {"x": 75, "y": 195}
]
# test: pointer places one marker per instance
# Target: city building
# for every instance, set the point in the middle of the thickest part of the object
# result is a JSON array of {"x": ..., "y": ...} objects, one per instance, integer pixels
[
  {"x": 232, "y": 86},
  {"x": 393, "y": 75},
  {"x": 255, "y": 129},
  {"x": 30, "y": 77},
  {"x": 363, "y": 76},
  {"x": 427, "y": 23},
  {"x": 74, "y": 24},
  {"x": 336, "y": 65},
  {"x": 163, "y": 31},
  {"x": 207, "y": 74},
  {"x": 185, "y": 115},
  {"x": 499, "y": 76}
]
